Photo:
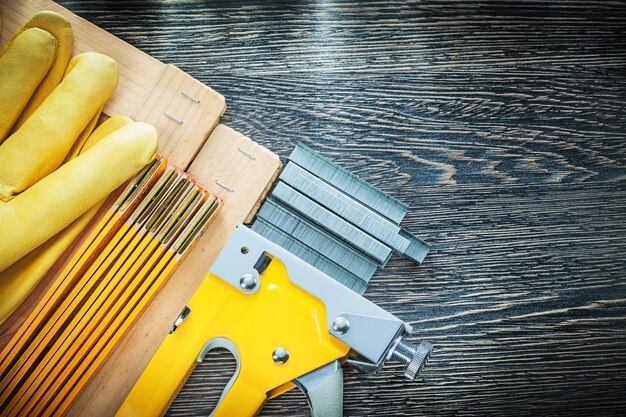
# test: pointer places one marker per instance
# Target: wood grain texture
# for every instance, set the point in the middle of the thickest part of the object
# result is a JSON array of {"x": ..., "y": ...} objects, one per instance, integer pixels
[{"x": 502, "y": 125}]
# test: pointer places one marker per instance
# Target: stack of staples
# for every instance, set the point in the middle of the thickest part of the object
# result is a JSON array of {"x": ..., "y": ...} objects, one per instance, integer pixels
[{"x": 335, "y": 221}]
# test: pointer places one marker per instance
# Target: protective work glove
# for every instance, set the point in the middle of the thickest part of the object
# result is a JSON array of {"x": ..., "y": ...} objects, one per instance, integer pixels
[{"x": 55, "y": 169}]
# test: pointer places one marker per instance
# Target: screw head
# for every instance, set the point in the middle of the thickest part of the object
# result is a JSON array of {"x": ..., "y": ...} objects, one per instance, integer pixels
[
  {"x": 248, "y": 282},
  {"x": 280, "y": 355},
  {"x": 341, "y": 325},
  {"x": 414, "y": 358}
]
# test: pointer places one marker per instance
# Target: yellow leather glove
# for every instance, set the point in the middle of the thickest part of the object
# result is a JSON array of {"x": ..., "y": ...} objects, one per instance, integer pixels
[{"x": 54, "y": 172}]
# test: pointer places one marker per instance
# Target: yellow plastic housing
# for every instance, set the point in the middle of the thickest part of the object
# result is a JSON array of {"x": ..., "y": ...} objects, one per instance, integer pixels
[{"x": 279, "y": 314}]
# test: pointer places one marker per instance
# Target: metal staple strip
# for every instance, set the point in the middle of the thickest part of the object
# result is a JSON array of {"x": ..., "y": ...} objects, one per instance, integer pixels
[
  {"x": 318, "y": 240},
  {"x": 344, "y": 206},
  {"x": 155, "y": 194},
  {"x": 310, "y": 256},
  {"x": 197, "y": 225},
  {"x": 332, "y": 223},
  {"x": 352, "y": 185},
  {"x": 136, "y": 184},
  {"x": 168, "y": 203},
  {"x": 417, "y": 250}
]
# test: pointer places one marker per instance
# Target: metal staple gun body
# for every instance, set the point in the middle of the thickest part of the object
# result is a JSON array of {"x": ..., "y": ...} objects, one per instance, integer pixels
[{"x": 286, "y": 323}]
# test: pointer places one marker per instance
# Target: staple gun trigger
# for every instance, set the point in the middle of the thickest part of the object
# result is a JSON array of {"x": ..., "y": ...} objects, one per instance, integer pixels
[
  {"x": 323, "y": 389},
  {"x": 223, "y": 343}
]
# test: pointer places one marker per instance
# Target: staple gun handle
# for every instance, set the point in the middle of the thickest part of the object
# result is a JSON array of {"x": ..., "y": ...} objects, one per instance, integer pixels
[
  {"x": 242, "y": 399},
  {"x": 240, "y": 396},
  {"x": 324, "y": 390}
]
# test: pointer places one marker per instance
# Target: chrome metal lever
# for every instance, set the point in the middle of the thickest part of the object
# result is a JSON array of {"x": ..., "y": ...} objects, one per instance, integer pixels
[{"x": 324, "y": 390}]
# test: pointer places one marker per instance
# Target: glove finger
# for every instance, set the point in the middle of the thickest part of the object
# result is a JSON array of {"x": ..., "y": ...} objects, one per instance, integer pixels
[
  {"x": 61, "y": 29},
  {"x": 44, "y": 140},
  {"x": 18, "y": 280},
  {"x": 57, "y": 200},
  {"x": 83, "y": 136},
  {"x": 106, "y": 128},
  {"x": 24, "y": 62}
]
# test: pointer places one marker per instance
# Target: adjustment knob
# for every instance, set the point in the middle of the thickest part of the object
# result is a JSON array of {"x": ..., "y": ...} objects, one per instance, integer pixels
[{"x": 414, "y": 358}]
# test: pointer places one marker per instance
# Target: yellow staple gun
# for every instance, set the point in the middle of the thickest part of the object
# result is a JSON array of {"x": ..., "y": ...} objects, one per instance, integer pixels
[{"x": 286, "y": 323}]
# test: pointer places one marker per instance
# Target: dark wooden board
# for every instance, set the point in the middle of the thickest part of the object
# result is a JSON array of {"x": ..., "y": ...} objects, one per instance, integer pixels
[{"x": 502, "y": 125}]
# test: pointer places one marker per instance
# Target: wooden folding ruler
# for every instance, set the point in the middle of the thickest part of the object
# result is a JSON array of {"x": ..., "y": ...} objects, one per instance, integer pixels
[{"x": 126, "y": 259}]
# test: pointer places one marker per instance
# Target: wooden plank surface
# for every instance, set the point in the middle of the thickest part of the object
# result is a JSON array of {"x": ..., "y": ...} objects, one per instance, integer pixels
[{"x": 501, "y": 125}]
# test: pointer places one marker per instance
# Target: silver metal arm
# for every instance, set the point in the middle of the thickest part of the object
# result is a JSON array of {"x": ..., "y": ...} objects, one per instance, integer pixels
[{"x": 324, "y": 390}]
